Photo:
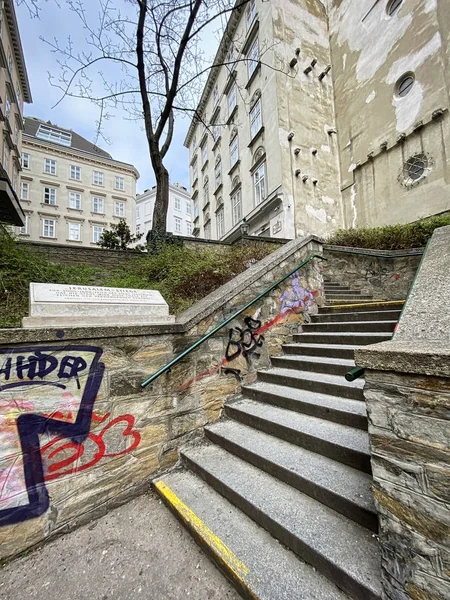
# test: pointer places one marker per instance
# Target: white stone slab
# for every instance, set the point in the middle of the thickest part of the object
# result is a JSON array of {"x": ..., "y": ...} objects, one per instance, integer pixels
[{"x": 55, "y": 305}]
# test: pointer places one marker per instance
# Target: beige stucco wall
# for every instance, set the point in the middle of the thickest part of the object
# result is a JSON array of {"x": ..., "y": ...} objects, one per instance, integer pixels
[
  {"x": 36, "y": 210},
  {"x": 370, "y": 51}
]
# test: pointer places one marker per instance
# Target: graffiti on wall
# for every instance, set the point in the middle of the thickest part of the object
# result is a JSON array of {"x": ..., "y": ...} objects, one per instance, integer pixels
[{"x": 47, "y": 397}]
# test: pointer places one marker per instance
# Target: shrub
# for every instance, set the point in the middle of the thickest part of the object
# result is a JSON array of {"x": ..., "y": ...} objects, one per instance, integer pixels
[{"x": 390, "y": 237}]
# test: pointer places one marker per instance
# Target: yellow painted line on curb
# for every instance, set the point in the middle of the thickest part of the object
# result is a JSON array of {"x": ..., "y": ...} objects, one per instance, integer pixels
[
  {"x": 380, "y": 303},
  {"x": 227, "y": 558}
]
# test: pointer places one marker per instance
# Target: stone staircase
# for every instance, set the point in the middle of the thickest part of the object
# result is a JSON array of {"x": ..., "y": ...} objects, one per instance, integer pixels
[{"x": 279, "y": 493}]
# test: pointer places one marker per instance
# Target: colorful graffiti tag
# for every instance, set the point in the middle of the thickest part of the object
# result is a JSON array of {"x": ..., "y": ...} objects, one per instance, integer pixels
[{"x": 47, "y": 397}]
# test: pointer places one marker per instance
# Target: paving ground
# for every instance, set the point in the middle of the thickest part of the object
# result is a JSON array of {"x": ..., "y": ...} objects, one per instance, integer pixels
[{"x": 136, "y": 551}]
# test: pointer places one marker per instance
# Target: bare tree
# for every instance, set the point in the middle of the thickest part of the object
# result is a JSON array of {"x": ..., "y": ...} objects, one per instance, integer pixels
[{"x": 146, "y": 58}]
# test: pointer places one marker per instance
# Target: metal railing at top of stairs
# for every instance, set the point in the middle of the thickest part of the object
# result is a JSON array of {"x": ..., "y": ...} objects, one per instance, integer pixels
[{"x": 168, "y": 367}]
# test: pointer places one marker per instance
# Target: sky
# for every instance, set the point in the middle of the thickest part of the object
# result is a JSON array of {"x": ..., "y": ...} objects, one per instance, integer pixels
[{"x": 128, "y": 141}]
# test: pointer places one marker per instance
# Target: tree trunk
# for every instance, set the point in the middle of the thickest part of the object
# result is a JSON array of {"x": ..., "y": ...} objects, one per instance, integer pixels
[{"x": 162, "y": 198}]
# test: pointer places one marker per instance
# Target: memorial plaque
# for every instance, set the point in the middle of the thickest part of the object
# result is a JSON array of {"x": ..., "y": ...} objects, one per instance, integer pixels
[{"x": 84, "y": 305}]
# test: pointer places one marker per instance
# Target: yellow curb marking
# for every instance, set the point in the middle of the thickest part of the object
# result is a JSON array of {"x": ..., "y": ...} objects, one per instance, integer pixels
[
  {"x": 225, "y": 555},
  {"x": 380, "y": 303}
]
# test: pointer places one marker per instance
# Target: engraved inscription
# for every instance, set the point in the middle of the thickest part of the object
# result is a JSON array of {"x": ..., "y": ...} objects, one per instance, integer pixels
[{"x": 42, "y": 292}]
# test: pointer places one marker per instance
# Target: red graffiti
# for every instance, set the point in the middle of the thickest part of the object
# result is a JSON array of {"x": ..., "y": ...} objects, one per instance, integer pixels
[{"x": 79, "y": 457}]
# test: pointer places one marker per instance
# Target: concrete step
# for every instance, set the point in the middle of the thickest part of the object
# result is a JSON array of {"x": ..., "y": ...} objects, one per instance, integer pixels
[
  {"x": 332, "y": 408},
  {"x": 333, "y": 297},
  {"x": 344, "y": 444},
  {"x": 352, "y": 301},
  {"x": 342, "y": 291},
  {"x": 351, "y": 326},
  {"x": 371, "y": 305},
  {"x": 342, "y": 488},
  {"x": 343, "y": 551},
  {"x": 331, "y": 350},
  {"x": 335, "y": 385},
  {"x": 355, "y": 339},
  {"x": 332, "y": 366},
  {"x": 369, "y": 315},
  {"x": 260, "y": 567}
]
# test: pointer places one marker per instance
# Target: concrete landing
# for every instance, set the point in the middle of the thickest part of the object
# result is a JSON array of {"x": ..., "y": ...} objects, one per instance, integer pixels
[{"x": 139, "y": 550}]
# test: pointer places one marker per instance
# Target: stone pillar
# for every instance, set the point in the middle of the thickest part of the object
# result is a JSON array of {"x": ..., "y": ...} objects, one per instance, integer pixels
[{"x": 408, "y": 401}]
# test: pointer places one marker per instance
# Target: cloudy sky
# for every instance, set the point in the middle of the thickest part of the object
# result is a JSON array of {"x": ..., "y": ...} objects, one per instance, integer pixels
[{"x": 128, "y": 142}]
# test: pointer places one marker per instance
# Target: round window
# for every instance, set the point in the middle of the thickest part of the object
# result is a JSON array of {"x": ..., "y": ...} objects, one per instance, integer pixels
[
  {"x": 415, "y": 168},
  {"x": 393, "y": 6},
  {"x": 404, "y": 85}
]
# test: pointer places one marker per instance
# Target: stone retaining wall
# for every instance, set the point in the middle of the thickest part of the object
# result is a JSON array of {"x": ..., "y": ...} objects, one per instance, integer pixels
[
  {"x": 78, "y": 432},
  {"x": 386, "y": 278}
]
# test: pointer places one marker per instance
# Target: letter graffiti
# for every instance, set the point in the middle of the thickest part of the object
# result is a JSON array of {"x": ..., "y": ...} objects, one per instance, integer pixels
[{"x": 68, "y": 380}]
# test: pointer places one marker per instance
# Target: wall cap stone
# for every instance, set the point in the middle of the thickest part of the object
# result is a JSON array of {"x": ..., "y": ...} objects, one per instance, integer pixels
[{"x": 373, "y": 251}]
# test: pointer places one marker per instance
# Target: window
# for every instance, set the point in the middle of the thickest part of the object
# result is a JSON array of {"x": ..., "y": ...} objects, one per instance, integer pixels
[
  {"x": 24, "y": 190},
  {"x": 75, "y": 232},
  {"x": 216, "y": 132},
  {"x": 7, "y": 106},
  {"x": 250, "y": 13},
  {"x": 404, "y": 85},
  {"x": 120, "y": 183},
  {"x": 393, "y": 6},
  {"x": 6, "y": 152},
  {"x": 208, "y": 230},
  {"x": 194, "y": 171},
  {"x": 232, "y": 99},
  {"x": 48, "y": 228},
  {"x": 204, "y": 153},
  {"x": 138, "y": 212},
  {"x": 26, "y": 160},
  {"x": 49, "y": 195},
  {"x": 75, "y": 172},
  {"x": 138, "y": 228},
  {"x": 15, "y": 178},
  {"x": 177, "y": 225},
  {"x": 50, "y": 166},
  {"x": 188, "y": 228},
  {"x": 194, "y": 143},
  {"x": 196, "y": 212},
  {"x": 147, "y": 209},
  {"x": 416, "y": 167},
  {"x": 177, "y": 204},
  {"x": 255, "y": 118},
  {"x": 97, "y": 205},
  {"x": 57, "y": 136},
  {"x": 119, "y": 209},
  {"x": 216, "y": 94},
  {"x": 97, "y": 232},
  {"x": 220, "y": 223},
  {"x": 206, "y": 191},
  {"x": 188, "y": 207},
  {"x": 234, "y": 150},
  {"x": 236, "y": 206},
  {"x": 75, "y": 200},
  {"x": 97, "y": 177},
  {"x": 10, "y": 63},
  {"x": 19, "y": 96},
  {"x": 24, "y": 229},
  {"x": 16, "y": 133},
  {"x": 259, "y": 182},
  {"x": 218, "y": 172},
  {"x": 231, "y": 58},
  {"x": 253, "y": 57}
]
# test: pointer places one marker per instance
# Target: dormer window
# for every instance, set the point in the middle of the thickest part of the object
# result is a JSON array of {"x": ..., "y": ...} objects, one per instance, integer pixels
[{"x": 63, "y": 138}]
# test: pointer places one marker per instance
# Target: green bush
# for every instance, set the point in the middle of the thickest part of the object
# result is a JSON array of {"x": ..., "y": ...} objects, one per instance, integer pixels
[{"x": 390, "y": 237}]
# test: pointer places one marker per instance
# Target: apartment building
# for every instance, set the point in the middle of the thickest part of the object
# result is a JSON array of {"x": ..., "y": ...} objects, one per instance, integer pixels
[
  {"x": 179, "y": 218},
  {"x": 323, "y": 115},
  {"x": 70, "y": 189},
  {"x": 14, "y": 91}
]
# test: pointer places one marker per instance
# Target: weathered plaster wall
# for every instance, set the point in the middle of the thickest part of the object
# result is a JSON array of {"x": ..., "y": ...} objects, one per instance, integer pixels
[
  {"x": 78, "y": 434},
  {"x": 377, "y": 130},
  {"x": 306, "y": 108},
  {"x": 387, "y": 278}
]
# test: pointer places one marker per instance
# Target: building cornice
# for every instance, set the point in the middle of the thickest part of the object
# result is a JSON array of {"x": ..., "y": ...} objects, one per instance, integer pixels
[
  {"x": 13, "y": 29},
  {"x": 172, "y": 189}
]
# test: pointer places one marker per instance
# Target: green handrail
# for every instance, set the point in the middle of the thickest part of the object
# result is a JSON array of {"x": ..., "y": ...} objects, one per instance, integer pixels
[{"x": 167, "y": 368}]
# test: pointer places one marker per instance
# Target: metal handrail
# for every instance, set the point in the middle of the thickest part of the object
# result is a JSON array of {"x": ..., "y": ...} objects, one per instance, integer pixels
[{"x": 167, "y": 368}]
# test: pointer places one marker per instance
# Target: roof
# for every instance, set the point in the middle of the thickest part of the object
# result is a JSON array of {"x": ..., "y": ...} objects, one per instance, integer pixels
[
  {"x": 176, "y": 188},
  {"x": 13, "y": 29}
]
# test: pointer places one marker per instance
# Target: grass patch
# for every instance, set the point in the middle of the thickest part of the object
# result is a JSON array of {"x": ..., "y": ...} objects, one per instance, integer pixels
[{"x": 390, "y": 237}]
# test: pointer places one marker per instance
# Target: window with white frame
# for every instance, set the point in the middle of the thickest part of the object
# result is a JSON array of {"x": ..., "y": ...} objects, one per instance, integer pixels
[
  {"x": 196, "y": 210},
  {"x": 188, "y": 228},
  {"x": 63, "y": 138},
  {"x": 26, "y": 160},
  {"x": 208, "y": 230},
  {"x": 24, "y": 229},
  {"x": 119, "y": 209},
  {"x": 177, "y": 225},
  {"x": 234, "y": 150},
  {"x": 232, "y": 99},
  {"x": 194, "y": 170},
  {"x": 253, "y": 57},
  {"x": 216, "y": 132},
  {"x": 177, "y": 203},
  {"x": 49, "y": 195},
  {"x": 48, "y": 228},
  {"x": 120, "y": 183},
  {"x": 74, "y": 232},
  {"x": 250, "y": 13},
  {"x": 204, "y": 153},
  {"x": 218, "y": 172},
  {"x": 216, "y": 94},
  {"x": 220, "y": 222},
  {"x": 75, "y": 172},
  {"x": 6, "y": 152},
  {"x": 97, "y": 231},
  {"x": 206, "y": 191},
  {"x": 75, "y": 200},
  {"x": 24, "y": 190},
  {"x": 259, "y": 183},
  {"x": 255, "y": 118},
  {"x": 236, "y": 206},
  {"x": 147, "y": 209},
  {"x": 188, "y": 207},
  {"x": 50, "y": 166},
  {"x": 97, "y": 177},
  {"x": 138, "y": 212},
  {"x": 97, "y": 205}
]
